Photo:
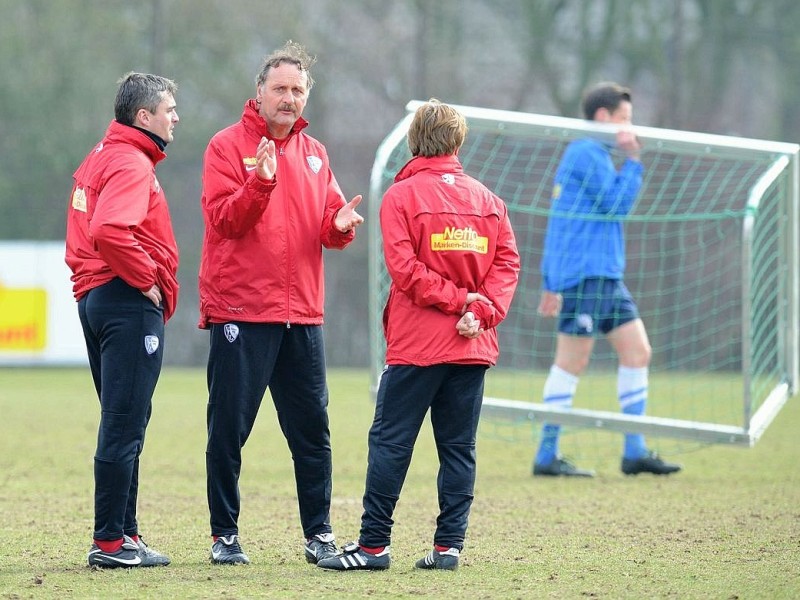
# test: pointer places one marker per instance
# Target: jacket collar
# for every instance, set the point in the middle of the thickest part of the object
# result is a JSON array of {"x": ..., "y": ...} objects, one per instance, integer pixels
[
  {"x": 254, "y": 122},
  {"x": 160, "y": 142},
  {"x": 125, "y": 134},
  {"x": 449, "y": 163}
]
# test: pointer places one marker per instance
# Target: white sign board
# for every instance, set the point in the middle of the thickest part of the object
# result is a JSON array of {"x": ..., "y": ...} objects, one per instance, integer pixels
[{"x": 39, "y": 322}]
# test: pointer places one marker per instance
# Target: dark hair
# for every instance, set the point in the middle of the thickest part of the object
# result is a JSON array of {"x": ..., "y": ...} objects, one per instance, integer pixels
[
  {"x": 606, "y": 95},
  {"x": 436, "y": 130},
  {"x": 292, "y": 53},
  {"x": 140, "y": 90}
]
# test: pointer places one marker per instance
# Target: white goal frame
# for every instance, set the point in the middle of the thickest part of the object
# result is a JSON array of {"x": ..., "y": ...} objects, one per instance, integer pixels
[{"x": 782, "y": 162}]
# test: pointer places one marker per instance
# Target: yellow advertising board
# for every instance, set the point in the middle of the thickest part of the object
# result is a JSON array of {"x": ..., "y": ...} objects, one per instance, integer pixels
[{"x": 23, "y": 319}]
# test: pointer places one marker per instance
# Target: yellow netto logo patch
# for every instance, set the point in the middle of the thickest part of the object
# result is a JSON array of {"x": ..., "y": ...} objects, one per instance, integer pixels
[
  {"x": 459, "y": 239},
  {"x": 556, "y": 191},
  {"x": 79, "y": 199}
]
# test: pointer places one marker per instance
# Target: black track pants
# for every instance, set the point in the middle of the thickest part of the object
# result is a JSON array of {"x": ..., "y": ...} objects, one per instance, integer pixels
[
  {"x": 454, "y": 394},
  {"x": 124, "y": 334},
  {"x": 244, "y": 360}
]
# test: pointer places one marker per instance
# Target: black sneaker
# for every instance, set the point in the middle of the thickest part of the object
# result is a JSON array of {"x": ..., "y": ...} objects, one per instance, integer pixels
[
  {"x": 127, "y": 556},
  {"x": 353, "y": 558},
  {"x": 227, "y": 551},
  {"x": 649, "y": 463},
  {"x": 447, "y": 560},
  {"x": 322, "y": 545},
  {"x": 150, "y": 557},
  {"x": 560, "y": 467}
]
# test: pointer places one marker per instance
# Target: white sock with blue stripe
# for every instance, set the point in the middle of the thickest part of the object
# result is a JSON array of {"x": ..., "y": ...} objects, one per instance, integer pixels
[
  {"x": 632, "y": 391},
  {"x": 559, "y": 389}
]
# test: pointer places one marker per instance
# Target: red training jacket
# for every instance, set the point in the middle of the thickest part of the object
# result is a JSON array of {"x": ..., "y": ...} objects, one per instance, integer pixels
[
  {"x": 262, "y": 249},
  {"x": 118, "y": 221},
  {"x": 444, "y": 235}
]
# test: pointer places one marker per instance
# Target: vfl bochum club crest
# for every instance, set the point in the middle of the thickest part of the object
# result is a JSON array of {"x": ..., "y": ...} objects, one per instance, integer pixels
[
  {"x": 231, "y": 331},
  {"x": 150, "y": 343},
  {"x": 315, "y": 162}
]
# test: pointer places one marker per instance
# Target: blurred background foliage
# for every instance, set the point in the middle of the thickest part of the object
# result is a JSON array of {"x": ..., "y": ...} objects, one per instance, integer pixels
[{"x": 717, "y": 66}]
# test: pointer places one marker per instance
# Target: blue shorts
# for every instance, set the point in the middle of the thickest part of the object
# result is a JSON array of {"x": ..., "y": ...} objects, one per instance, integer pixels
[{"x": 596, "y": 304}]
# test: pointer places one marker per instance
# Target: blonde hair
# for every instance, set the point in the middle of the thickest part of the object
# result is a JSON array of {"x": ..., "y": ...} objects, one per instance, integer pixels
[{"x": 436, "y": 130}]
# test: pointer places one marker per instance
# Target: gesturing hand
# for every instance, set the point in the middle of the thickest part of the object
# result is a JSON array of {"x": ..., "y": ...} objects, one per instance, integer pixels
[
  {"x": 347, "y": 218},
  {"x": 266, "y": 163}
]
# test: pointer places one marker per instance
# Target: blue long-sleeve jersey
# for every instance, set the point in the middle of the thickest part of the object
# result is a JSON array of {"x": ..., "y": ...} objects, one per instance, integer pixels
[{"x": 590, "y": 200}]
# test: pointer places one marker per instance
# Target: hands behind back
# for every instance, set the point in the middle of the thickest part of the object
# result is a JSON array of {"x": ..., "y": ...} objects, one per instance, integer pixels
[{"x": 468, "y": 325}]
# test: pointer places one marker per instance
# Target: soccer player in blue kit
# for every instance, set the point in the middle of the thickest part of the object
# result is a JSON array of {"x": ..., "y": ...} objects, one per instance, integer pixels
[{"x": 582, "y": 275}]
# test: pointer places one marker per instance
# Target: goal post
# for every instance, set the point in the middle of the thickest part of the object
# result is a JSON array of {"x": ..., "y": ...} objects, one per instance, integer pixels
[{"x": 712, "y": 260}]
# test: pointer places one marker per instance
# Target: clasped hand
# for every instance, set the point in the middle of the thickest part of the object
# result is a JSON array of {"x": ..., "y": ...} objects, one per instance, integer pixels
[{"x": 468, "y": 325}]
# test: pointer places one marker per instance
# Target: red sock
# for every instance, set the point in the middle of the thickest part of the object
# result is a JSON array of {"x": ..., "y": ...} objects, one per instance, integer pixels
[
  {"x": 439, "y": 548},
  {"x": 109, "y": 546},
  {"x": 376, "y": 550},
  {"x": 135, "y": 538},
  {"x": 215, "y": 537}
]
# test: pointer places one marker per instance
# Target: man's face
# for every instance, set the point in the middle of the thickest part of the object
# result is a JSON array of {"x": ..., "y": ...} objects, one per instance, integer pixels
[
  {"x": 163, "y": 121},
  {"x": 623, "y": 114},
  {"x": 283, "y": 97}
]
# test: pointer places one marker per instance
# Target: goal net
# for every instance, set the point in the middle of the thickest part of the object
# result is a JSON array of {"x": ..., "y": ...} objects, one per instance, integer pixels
[{"x": 712, "y": 253}]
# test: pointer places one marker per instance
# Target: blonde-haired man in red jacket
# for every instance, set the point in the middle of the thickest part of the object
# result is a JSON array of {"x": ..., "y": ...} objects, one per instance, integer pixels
[{"x": 454, "y": 265}]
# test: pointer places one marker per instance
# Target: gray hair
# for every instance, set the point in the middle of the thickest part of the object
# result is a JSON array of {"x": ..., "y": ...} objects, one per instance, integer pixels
[
  {"x": 292, "y": 53},
  {"x": 140, "y": 90}
]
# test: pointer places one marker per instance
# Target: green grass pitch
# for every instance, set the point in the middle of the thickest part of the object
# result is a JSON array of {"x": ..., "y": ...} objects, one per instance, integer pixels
[{"x": 726, "y": 527}]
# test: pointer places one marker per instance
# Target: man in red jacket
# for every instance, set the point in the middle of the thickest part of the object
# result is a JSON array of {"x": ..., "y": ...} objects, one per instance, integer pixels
[
  {"x": 270, "y": 203},
  {"x": 452, "y": 257},
  {"x": 124, "y": 259}
]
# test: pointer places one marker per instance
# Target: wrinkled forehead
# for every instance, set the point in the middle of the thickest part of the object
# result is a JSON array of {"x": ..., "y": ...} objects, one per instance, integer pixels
[{"x": 287, "y": 74}]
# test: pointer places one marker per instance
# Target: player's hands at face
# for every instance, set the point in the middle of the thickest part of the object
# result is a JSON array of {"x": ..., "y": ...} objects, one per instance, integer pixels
[
  {"x": 629, "y": 143},
  {"x": 549, "y": 304},
  {"x": 347, "y": 218},
  {"x": 469, "y": 326},
  {"x": 266, "y": 162}
]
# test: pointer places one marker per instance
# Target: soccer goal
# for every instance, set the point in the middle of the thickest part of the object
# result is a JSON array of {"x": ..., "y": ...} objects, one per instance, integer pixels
[{"x": 712, "y": 261}]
